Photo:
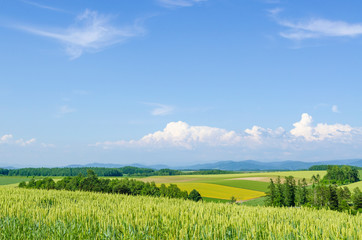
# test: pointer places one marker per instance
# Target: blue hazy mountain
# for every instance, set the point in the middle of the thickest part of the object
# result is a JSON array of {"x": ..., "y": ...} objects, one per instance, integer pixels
[{"x": 247, "y": 165}]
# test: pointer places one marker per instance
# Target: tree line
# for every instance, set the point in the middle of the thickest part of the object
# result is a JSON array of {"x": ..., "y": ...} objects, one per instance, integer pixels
[
  {"x": 127, "y": 186},
  {"x": 100, "y": 171},
  {"x": 319, "y": 195},
  {"x": 341, "y": 175},
  {"x": 325, "y": 167},
  {"x": 104, "y": 172}
]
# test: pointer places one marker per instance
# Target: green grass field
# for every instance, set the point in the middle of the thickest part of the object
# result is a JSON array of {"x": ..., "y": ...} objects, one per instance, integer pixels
[
  {"x": 6, "y": 180},
  {"x": 255, "y": 202},
  {"x": 216, "y": 200},
  {"x": 354, "y": 185},
  {"x": 244, "y": 184}
]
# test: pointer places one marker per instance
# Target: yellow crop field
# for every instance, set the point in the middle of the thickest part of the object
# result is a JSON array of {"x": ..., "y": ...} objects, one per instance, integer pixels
[{"x": 220, "y": 192}]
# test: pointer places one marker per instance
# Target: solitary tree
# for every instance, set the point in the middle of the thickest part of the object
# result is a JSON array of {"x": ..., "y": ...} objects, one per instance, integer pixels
[
  {"x": 195, "y": 195},
  {"x": 271, "y": 193},
  {"x": 232, "y": 200}
]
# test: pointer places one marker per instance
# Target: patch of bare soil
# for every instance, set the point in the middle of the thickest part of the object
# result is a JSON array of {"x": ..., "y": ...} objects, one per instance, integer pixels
[{"x": 259, "y": 179}]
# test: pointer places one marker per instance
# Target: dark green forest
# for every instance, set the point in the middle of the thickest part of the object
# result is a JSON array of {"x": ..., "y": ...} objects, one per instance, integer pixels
[
  {"x": 103, "y": 172},
  {"x": 127, "y": 186},
  {"x": 325, "y": 167},
  {"x": 323, "y": 193}
]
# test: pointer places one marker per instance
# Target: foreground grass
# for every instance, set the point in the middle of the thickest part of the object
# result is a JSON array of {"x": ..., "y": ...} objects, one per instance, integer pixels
[{"x": 41, "y": 214}]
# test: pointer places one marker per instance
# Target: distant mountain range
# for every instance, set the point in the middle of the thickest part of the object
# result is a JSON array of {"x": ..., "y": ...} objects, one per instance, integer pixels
[
  {"x": 112, "y": 165},
  {"x": 250, "y": 165},
  {"x": 247, "y": 165}
]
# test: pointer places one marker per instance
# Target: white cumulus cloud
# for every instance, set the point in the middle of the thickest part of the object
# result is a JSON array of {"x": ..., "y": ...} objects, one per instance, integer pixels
[
  {"x": 6, "y": 138},
  {"x": 322, "y": 131},
  {"x": 9, "y": 139},
  {"x": 180, "y": 134},
  {"x": 23, "y": 142}
]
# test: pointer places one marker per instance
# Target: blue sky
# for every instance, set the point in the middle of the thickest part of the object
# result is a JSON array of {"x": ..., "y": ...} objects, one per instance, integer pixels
[{"x": 179, "y": 81}]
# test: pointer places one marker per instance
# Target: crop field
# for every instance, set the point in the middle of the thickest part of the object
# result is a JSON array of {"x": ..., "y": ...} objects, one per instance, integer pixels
[
  {"x": 243, "y": 186},
  {"x": 42, "y": 214},
  {"x": 220, "y": 192}
]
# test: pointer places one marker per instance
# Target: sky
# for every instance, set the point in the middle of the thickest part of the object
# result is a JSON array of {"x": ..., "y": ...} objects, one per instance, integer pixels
[{"x": 179, "y": 82}]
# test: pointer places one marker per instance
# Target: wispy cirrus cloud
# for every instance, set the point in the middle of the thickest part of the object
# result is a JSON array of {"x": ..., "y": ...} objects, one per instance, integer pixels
[
  {"x": 179, "y": 3},
  {"x": 160, "y": 109},
  {"x": 64, "y": 110},
  {"x": 335, "y": 109},
  {"x": 314, "y": 27},
  {"x": 318, "y": 28},
  {"x": 91, "y": 32},
  {"x": 38, "y": 5}
]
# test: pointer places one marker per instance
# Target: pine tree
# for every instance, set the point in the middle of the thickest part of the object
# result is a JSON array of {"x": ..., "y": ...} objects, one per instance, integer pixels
[
  {"x": 279, "y": 193},
  {"x": 357, "y": 198},
  {"x": 332, "y": 197},
  {"x": 271, "y": 194},
  {"x": 289, "y": 191}
]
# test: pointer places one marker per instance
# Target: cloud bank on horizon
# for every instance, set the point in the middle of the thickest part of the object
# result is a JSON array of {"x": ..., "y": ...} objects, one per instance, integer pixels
[
  {"x": 182, "y": 135},
  {"x": 9, "y": 139}
]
